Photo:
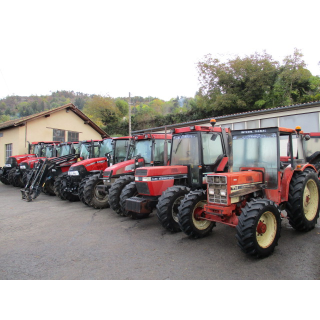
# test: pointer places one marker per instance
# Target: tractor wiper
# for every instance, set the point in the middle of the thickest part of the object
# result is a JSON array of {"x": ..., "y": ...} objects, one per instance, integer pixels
[{"x": 178, "y": 146}]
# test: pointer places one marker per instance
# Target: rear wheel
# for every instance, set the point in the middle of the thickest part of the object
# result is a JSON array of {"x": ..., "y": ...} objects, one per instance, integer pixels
[
  {"x": 189, "y": 212},
  {"x": 167, "y": 207},
  {"x": 303, "y": 202},
  {"x": 115, "y": 192},
  {"x": 259, "y": 227},
  {"x": 129, "y": 191}
]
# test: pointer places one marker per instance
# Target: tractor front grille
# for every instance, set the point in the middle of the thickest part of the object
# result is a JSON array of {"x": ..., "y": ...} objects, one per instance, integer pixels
[
  {"x": 217, "y": 189},
  {"x": 141, "y": 172},
  {"x": 142, "y": 187}
]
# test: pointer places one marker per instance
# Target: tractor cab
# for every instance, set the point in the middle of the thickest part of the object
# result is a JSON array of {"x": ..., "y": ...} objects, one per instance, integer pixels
[
  {"x": 95, "y": 156},
  {"x": 268, "y": 173},
  {"x": 12, "y": 166},
  {"x": 147, "y": 149},
  {"x": 196, "y": 151},
  {"x": 66, "y": 148}
]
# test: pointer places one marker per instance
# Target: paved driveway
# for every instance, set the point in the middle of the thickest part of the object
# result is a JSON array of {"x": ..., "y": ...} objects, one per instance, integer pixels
[{"x": 54, "y": 239}]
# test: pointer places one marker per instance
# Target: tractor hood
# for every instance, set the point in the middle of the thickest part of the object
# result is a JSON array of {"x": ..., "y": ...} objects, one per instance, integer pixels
[
  {"x": 121, "y": 168},
  {"x": 94, "y": 164},
  {"x": 15, "y": 160},
  {"x": 161, "y": 171}
]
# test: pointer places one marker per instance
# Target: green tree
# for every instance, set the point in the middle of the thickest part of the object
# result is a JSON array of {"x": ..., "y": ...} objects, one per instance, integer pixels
[{"x": 238, "y": 84}]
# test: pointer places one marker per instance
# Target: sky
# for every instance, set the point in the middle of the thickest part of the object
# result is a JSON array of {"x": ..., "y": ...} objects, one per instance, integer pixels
[{"x": 147, "y": 48}]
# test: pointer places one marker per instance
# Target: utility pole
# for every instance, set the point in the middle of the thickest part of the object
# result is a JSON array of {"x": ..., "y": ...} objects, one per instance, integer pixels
[{"x": 129, "y": 114}]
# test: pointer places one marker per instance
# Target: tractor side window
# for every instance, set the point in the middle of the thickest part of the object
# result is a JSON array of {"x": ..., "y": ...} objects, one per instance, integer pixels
[
  {"x": 48, "y": 152},
  {"x": 158, "y": 156},
  {"x": 106, "y": 147},
  {"x": 120, "y": 150},
  {"x": 311, "y": 146},
  {"x": 212, "y": 147},
  {"x": 84, "y": 151},
  {"x": 65, "y": 150}
]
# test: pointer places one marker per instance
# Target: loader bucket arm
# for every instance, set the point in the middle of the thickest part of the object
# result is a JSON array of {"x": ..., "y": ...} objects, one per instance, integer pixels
[{"x": 39, "y": 175}]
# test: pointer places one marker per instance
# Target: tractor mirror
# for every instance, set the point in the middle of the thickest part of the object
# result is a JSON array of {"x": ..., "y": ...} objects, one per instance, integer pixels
[{"x": 307, "y": 137}]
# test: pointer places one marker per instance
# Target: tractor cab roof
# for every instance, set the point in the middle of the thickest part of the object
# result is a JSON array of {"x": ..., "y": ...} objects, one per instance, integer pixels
[
  {"x": 45, "y": 142},
  {"x": 122, "y": 138},
  {"x": 146, "y": 136},
  {"x": 198, "y": 128}
]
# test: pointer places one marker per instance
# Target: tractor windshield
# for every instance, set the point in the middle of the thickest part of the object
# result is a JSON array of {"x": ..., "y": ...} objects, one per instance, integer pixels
[
  {"x": 185, "y": 149},
  {"x": 211, "y": 147},
  {"x": 65, "y": 150},
  {"x": 105, "y": 147},
  {"x": 257, "y": 150},
  {"x": 141, "y": 148}
]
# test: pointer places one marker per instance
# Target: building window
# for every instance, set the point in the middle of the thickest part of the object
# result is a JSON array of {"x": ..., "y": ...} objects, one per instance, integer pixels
[
  {"x": 59, "y": 135},
  {"x": 73, "y": 136},
  {"x": 1, "y": 134},
  {"x": 8, "y": 150},
  {"x": 252, "y": 124},
  {"x": 239, "y": 126}
]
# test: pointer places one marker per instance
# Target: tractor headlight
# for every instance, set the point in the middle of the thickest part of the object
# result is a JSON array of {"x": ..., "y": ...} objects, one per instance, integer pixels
[
  {"x": 211, "y": 191},
  {"x": 73, "y": 173},
  {"x": 23, "y": 167},
  {"x": 146, "y": 178},
  {"x": 223, "y": 192},
  {"x": 8, "y": 165}
]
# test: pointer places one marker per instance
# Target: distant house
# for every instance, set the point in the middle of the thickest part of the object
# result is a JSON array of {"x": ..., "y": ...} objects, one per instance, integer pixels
[{"x": 65, "y": 123}]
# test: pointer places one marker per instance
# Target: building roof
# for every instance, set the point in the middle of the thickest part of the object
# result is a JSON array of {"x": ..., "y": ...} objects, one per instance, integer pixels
[
  {"x": 235, "y": 116},
  {"x": 68, "y": 107}
]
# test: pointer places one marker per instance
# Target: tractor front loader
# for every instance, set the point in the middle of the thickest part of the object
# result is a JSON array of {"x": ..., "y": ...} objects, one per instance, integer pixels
[
  {"x": 7, "y": 173},
  {"x": 266, "y": 176},
  {"x": 196, "y": 151},
  {"x": 38, "y": 177}
]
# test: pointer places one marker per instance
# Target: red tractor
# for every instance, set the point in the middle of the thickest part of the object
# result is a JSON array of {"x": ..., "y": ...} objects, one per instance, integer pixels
[
  {"x": 35, "y": 149},
  {"x": 145, "y": 149},
  {"x": 95, "y": 157},
  {"x": 195, "y": 152},
  {"x": 265, "y": 177}
]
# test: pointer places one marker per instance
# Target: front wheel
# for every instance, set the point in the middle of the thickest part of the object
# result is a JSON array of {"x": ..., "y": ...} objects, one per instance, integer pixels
[
  {"x": 189, "y": 212},
  {"x": 167, "y": 207},
  {"x": 259, "y": 227},
  {"x": 115, "y": 192},
  {"x": 129, "y": 191},
  {"x": 92, "y": 196}
]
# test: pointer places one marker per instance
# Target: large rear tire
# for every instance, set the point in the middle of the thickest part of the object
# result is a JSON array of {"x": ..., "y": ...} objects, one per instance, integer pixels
[
  {"x": 190, "y": 205},
  {"x": 259, "y": 227},
  {"x": 167, "y": 207},
  {"x": 303, "y": 202}
]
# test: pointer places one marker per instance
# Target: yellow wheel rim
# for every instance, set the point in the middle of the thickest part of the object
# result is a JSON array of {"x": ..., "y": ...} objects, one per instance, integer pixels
[
  {"x": 266, "y": 229},
  {"x": 200, "y": 224},
  {"x": 310, "y": 200}
]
